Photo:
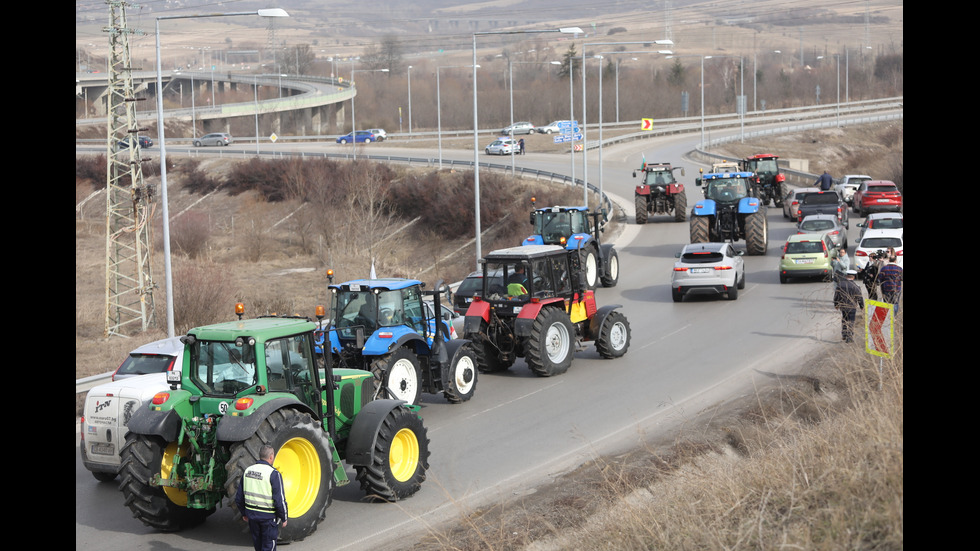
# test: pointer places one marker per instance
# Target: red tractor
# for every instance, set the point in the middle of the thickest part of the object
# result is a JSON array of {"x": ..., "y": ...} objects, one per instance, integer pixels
[
  {"x": 659, "y": 193},
  {"x": 767, "y": 183}
]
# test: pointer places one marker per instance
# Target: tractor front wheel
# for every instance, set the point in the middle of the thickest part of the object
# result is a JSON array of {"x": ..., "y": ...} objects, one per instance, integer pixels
[
  {"x": 640, "y": 204},
  {"x": 590, "y": 265},
  {"x": 680, "y": 207},
  {"x": 614, "y": 336},
  {"x": 401, "y": 457},
  {"x": 549, "y": 348},
  {"x": 162, "y": 508},
  {"x": 460, "y": 382},
  {"x": 611, "y": 276},
  {"x": 398, "y": 372},
  {"x": 756, "y": 233},
  {"x": 305, "y": 460}
]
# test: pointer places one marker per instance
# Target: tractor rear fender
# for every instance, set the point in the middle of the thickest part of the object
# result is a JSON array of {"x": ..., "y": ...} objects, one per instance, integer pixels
[
  {"x": 704, "y": 207},
  {"x": 675, "y": 188},
  {"x": 364, "y": 431},
  {"x": 477, "y": 314},
  {"x": 595, "y": 324},
  {"x": 643, "y": 190},
  {"x": 238, "y": 428},
  {"x": 165, "y": 424},
  {"x": 749, "y": 205},
  {"x": 533, "y": 240},
  {"x": 529, "y": 313},
  {"x": 606, "y": 251},
  {"x": 577, "y": 241}
]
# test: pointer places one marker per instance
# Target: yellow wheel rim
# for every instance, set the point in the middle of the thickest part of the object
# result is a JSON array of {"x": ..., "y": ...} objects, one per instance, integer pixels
[
  {"x": 175, "y": 495},
  {"x": 403, "y": 457},
  {"x": 299, "y": 463}
]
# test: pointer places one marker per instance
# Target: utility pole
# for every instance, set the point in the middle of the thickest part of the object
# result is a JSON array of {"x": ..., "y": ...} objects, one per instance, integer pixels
[{"x": 128, "y": 281}]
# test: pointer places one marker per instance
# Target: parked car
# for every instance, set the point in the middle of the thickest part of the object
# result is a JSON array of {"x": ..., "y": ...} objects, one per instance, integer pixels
[
  {"x": 823, "y": 202},
  {"x": 470, "y": 286},
  {"x": 216, "y": 138},
  {"x": 791, "y": 202},
  {"x": 879, "y": 240},
  {"x": 143, "y": 142},
  {"x": 363, "y": 136},
  {"x": 553, "y": 128},
  {"x": 877, "y": 195},
  {"x": 454, "y": 318},
  {"x": 519, "y": 128},
  {"x": 156, "y": 357},
  {"x": 882, "y": 221},
  {"x": 848, "y": 184},
  {"x": 807, "y": 255},
  {"x": 379, "y": 133},
  {"x": 109, "y": 406},
  {"x": 503, "y": 146},
  {"x": 708, "y": 269},
  {"x": 826, "y": 224}
]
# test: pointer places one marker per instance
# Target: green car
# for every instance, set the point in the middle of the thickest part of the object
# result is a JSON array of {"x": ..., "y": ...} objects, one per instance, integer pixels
[{"x": 808, "y": 255}]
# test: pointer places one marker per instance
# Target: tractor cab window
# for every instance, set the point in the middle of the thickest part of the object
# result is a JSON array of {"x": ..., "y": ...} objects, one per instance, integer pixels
[
  {"x": 763, "y": 166},
  {"x": 659, "y": 177},
  {"x": 403, "y": 307},
  {"x": 727, "y": 190},
  {"x": 544, "y": 281},
  {"x": 223, "y": 367},
  {"x": 355, "y": 308},
  {"x": 289, "y": 365},
  {"x": 513, "y": 283},
  {"x": 552, "y": 226}
]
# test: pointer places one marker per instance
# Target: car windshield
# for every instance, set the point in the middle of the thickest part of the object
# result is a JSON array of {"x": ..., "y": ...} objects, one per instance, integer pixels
[
  {"x": 881, "y": 242},
  {"x": 886, "y": 223},
  {"x": 702, "y": 257},
  {"x": 821, "y": 198},
  {"x": 817, "y": 225},
  {"x": 141, "y": 364},
  {"x": 857, "y": 181},
  {"x": 804, "y": 247},
  {"x": 727, "y": 190}
]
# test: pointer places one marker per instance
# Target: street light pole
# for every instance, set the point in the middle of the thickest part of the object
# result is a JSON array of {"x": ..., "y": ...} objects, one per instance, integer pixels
[
  {"x": 476, "y": 127},
  {"x": 165, "y": 210},
  {"x": 409, "y": 102}
]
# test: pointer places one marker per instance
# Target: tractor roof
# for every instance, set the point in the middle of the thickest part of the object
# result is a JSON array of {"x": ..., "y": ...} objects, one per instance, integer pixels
[
  {"x": 525, "y": 252},
  {"x": 261, "y": 329},
  {"x": 763, "y": 156},
  {"x": 386, "y": 284},
  {"x": 561, "y": 208},
  {"x": 716, "y": 175},
  {"x": 657, "y": 166}
]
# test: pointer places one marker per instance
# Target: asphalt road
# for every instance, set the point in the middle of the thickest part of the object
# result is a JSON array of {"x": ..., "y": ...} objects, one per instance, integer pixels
[{"x": 519, "y": 430}]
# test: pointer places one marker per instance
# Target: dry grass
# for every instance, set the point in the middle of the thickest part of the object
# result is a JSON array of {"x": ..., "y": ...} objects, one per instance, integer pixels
[{"x": 812, "y": 461}]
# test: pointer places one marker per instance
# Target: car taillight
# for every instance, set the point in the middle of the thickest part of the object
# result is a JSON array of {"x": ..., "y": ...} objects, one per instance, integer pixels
[
  {"x": 680, "y": 269},
  {"x": 723, "y": 267},
  {"x": 860, "y": 253},
  {"x": 899, "y": 252}
]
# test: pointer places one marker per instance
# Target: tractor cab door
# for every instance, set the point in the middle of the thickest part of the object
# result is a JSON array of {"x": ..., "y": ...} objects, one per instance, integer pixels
[{"x": 291, "y": 367}]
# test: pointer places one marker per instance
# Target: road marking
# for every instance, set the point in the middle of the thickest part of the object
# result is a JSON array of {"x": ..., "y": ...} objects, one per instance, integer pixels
[{"x": 668, "y": 335}]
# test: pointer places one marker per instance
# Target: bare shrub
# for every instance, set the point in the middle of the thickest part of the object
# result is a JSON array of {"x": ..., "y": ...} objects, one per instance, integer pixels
[
  {"x": 196, "y": 180},
  {"x": 201, "y": 294},
  {"x": 190, "y": 234},
  {"x": 91, "y": 169}
]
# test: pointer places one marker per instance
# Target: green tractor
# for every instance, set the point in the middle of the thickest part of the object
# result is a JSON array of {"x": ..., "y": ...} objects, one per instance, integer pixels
[{"x": 253, "y": 382}]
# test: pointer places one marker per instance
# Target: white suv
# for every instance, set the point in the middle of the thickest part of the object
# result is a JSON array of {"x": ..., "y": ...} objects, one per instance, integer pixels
[
  {"x": 110, "y": 406},
  {"x": 379, "y": 133},
  {"x": 848, "y": 184}
]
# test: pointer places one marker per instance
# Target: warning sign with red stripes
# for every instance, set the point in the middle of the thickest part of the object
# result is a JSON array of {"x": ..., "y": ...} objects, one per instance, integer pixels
[
  {"x": 879, "y": 328},
  {"x": 646, "y": 124}
]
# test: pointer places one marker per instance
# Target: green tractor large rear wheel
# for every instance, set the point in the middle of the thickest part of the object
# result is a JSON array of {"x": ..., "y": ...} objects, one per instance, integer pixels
[
  {"x": 401, "y": 457},
  {"x": 305, "y": 460},
  {"x": 162, "y": 508}
]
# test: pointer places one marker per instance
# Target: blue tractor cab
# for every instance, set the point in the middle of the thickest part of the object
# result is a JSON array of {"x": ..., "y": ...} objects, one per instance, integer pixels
[
  {"x": 578, "y": 230},
  {"x": 384, "y": 326}
]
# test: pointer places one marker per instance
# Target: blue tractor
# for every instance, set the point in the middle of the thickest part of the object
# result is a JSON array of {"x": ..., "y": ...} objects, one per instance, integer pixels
[
  {"x": 577, "y": 230},
  {"x": 386, "y": 327},
  {"x": 728, "y": 213}
]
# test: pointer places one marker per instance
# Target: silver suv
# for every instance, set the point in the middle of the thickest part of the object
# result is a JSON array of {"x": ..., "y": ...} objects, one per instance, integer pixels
[
  {"x": 215, "y": 138},
  {"x": 518, "y": 128}
]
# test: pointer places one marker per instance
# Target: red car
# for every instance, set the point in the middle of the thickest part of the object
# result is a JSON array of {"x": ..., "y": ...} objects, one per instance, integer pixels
[{"x": 877, "y": 195}]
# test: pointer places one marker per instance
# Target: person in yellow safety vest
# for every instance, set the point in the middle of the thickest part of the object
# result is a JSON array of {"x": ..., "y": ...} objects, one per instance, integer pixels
[{"x": 261, "y": 500}]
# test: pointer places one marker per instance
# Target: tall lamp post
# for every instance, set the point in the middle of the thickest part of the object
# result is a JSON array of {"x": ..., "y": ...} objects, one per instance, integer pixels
[
  {"x": 353, "y": 123},
  {"x": 600, "y": 57},
  {"x": 439, "y": 106},
  {"x": 476, "y": 126},
  {"x": 585, "y": 139},
  {"x": 409, "y": 102},
  {"x": 165, "y": 211}
]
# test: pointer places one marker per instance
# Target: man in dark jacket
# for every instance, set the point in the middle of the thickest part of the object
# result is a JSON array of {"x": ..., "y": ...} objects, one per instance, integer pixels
[
  {"x": 890, "y": 278},
  {"x": 824, "y": 181},
  {"x": 848, "y": 298},
  {"x": 261, "y": 500}
]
